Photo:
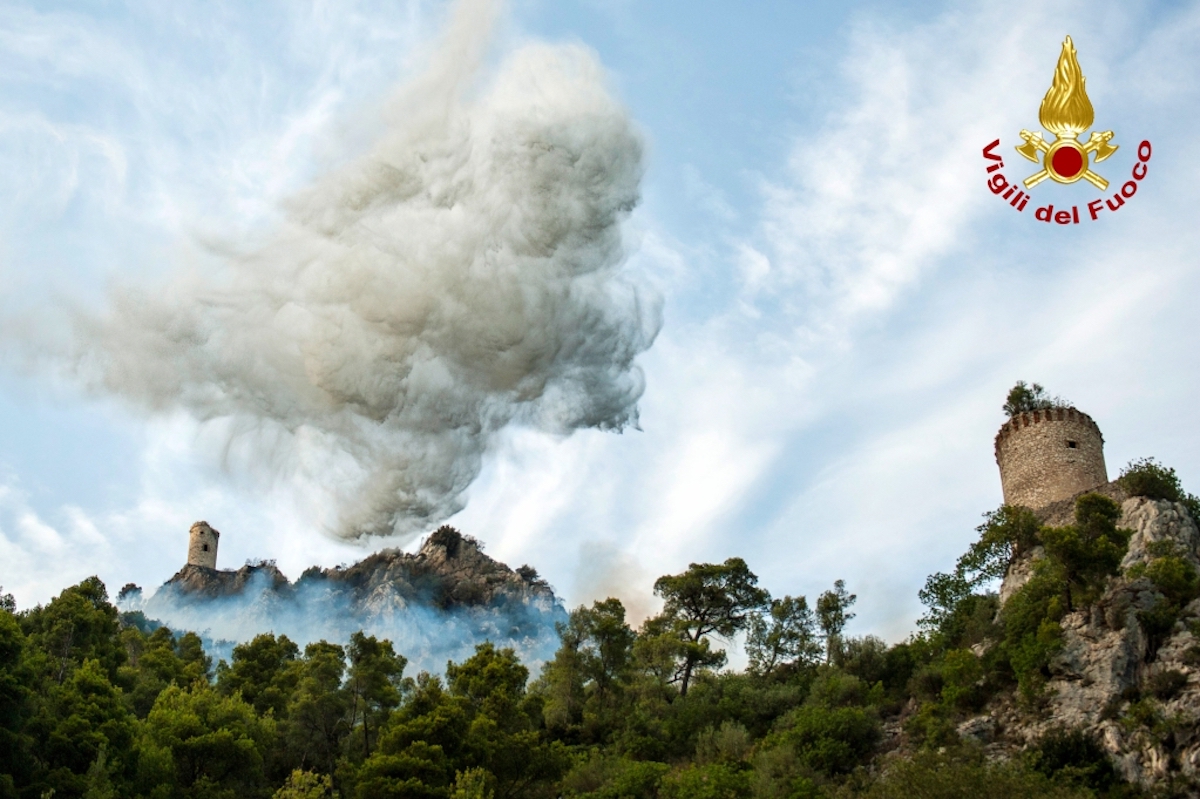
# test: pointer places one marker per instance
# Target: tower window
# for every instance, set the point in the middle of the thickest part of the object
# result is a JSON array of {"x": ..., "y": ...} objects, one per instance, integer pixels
[
  {"x": 204, "y": 547},
  {"x": 1072, "y": 445}
]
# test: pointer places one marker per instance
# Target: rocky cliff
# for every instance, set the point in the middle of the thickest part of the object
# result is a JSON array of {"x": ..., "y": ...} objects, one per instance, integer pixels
[
  {"x": 1131, "y": 679},
  {"x": 450, "y": 571},
  {"x": 434, "y": 605}
]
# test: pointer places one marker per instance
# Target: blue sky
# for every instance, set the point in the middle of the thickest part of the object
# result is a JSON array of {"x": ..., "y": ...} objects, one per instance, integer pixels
[{"x": 845, "y": 304}]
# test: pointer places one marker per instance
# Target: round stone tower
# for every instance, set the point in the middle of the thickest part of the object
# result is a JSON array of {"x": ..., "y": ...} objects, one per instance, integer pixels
[
  {"x": 202, "y": 546},
  {"x": 1049, "y": 455}
]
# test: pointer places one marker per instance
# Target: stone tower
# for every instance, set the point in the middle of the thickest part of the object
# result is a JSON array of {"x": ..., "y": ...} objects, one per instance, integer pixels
[
  {"x": 1048, "y": 455},
  {"x": 202, "y": 546}
]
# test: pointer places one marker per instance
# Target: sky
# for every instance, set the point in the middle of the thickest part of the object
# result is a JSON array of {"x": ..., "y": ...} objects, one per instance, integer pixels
[{"x": 826, "y": 303}]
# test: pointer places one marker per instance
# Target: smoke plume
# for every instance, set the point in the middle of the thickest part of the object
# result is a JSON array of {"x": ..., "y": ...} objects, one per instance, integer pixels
[{"x": 461, "y": 276}]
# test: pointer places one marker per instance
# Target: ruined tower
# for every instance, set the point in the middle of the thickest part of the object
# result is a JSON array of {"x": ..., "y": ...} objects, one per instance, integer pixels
[
  {"x": 1049, "y": 455},
  {"x": 202, "y": 546}
]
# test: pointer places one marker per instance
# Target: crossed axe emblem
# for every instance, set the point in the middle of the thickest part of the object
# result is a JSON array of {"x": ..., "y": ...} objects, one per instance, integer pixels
[{"x": 1065, "y": 160}]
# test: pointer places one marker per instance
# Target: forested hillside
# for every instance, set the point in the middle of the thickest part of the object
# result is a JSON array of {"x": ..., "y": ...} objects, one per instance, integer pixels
[{"x": 95, "y": 703}]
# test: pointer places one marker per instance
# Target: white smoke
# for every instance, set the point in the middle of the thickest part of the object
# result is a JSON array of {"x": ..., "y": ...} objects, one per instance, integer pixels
[
  {"x": 463, "y": 275},
  {"x": 309, "y": 611}
]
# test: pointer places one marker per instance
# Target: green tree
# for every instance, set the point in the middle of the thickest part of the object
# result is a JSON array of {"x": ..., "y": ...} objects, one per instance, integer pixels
[
  {"x": 503, "y": 736},
  {"x": 711, "y": 781},
  {"x": 782, "y": 638},
  {"x": 659, "y": 650},
  {"x": 562, "y": 682},
  {"x": 197, "y": 743},
  {"x": 830, "y": 740},
  {"x": 833, "y": 613},
  {"x": 1023, "y": 398},
  {"x": 373, "y": 685},
  {"x": 590, "y": 670},
  {"x": 1032, "y": 633},
  {"x": 943, "y": 594},
  {"x": 197, "y": 665},
  {"x": 610, "y": 776},
  {"x": 421, "y": 748},
  {"x": 607, "y": 647},
  {"x": 15, "y": 684},
  {"x": 475, "y": 783},
  {"x": 70, "y": 663},
  {"x": 77, "y": 723},
  {"x": 79, "y": 624},
  {"x": 1005, "y": 533},
  {"x": 482, "y": 721},
  {"x": 261, "y": 672},
  {"x": 1088, "y": 551},
  {"x": 1074, "y": 757},
  {"x": 316, "y": 723},
  {"x": 708, "y": 599},
  {"x": 158, "y": 660},
  {"x": 305, "y": 785},
  {"x": 1146, "y": 477}
]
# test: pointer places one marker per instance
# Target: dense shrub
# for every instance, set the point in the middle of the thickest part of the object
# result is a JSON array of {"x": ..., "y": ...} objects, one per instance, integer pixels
[
  {"x": 608, "y": 777},
  {"x": 713, "y": 781},
  {"x": 962, "y": 674},
  {"x": 1074, "y": 757},
  {"x": 948, "y": 775},
  {"x": 830, "y": 740},
  {"x": 1165, "y": 685},
  {"x": 779, "y": 774},
  {"x": 1148, "y": 478},
  {"x": 729, "y": 743},
  {"x": 1031, "y": 630}
]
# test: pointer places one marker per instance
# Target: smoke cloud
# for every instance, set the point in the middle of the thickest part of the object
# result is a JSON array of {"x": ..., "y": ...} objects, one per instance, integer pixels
[{"x": 462, "y": 276}]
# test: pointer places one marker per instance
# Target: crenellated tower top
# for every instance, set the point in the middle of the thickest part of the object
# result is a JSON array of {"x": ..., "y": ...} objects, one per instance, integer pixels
[{"x": 1049, "y": 454}]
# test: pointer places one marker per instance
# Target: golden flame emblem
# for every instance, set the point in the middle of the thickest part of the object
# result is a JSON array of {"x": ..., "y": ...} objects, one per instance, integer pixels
[{"x": 1067, "y": 112}]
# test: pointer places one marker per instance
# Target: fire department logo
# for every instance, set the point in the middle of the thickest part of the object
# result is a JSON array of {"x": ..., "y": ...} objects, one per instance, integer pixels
[{"x": 1067, "y": 112}]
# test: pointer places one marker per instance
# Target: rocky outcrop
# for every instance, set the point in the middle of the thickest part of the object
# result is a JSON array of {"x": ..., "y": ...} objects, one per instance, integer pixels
[
  {"x": 449, "y": 571},
  {"x": 434, "y": 606},
  {"x": 1156, "y": 520},
  {"x": 1138, "y": 693},
  {"x": 203, "y": 583}
]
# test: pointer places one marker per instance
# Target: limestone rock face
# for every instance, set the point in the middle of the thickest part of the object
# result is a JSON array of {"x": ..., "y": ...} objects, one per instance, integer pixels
[
  {"x": 1108, "y": 661},
  {"x": 1099, "y": 660},
  {"x": 1019, "y": 572},
  {"x": 1157, "y": 520}
]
